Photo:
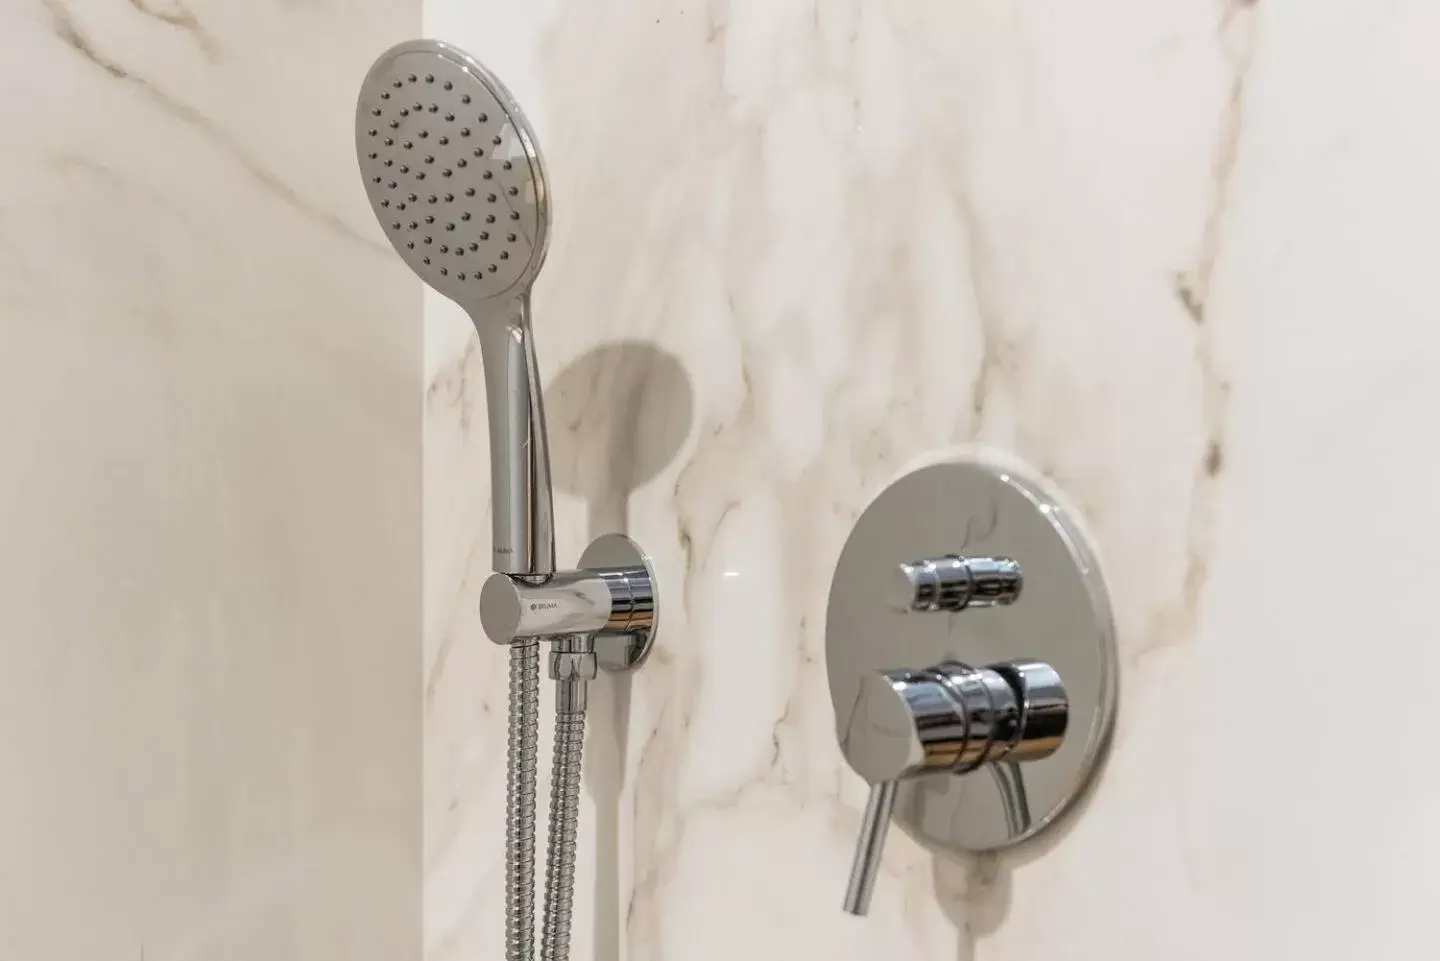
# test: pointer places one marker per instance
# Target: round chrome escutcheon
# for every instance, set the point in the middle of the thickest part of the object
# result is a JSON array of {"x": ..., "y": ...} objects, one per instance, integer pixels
[
  {"x": 1062, "y": 617},
  {"x": 622, "y": 652}
]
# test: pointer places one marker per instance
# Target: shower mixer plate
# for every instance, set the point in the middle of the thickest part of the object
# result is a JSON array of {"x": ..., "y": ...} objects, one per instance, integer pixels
[
  {"x": 1062, "y": 617},
  {"x": 614, "y": 651}
]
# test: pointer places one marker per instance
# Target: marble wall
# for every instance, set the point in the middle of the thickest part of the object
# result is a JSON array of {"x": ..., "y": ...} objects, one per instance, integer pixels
[
  {"x": 1174, "y": 255},
  {"x": 210, "y": 365}
]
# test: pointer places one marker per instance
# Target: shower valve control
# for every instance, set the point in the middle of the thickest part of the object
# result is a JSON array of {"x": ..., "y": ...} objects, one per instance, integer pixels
[
  {"x": 953, "y": 583},
  {"x": 971, "y": 659},
  {"x": 952, "y": 718},
  {"x": 949, "y": 717}
]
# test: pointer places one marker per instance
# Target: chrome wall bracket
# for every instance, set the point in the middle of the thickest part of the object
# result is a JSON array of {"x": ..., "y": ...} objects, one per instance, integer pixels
[
  {"x": 602, "y": 616},
  {"x": 972, "y": 662},
  {"x": 622, "y": 647},
  {"x": 611, "y": 597}
]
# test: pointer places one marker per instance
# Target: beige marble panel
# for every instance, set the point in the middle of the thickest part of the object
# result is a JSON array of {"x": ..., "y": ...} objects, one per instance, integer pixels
[
  {"x": 1176, "y": 255},
  {"x": 209, "y": 491}
]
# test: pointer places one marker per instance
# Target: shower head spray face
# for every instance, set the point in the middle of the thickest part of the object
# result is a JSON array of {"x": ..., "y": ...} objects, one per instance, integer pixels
[{"x": 452, "y": 172}]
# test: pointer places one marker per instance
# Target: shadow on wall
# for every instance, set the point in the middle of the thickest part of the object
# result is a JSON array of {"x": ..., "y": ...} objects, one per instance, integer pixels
[
  {"x": 618, "y": 416},
  {"x": 975, "y": 896},
  {"x": 975, "y": 892}
]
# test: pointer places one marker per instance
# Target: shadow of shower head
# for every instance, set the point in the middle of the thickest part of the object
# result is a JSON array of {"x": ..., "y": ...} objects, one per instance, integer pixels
[
  {"x": 621, "y": 412},
  {"x": 453, "y": 173}
]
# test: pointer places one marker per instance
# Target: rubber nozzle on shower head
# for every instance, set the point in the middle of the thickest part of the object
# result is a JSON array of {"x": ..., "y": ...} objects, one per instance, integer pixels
[{"x": 452, "y": 172}]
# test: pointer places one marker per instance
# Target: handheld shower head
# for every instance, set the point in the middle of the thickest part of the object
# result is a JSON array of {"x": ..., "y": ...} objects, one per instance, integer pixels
[
  {"x": 454, "y": 177},
  {"x": 452, "y": 172}
]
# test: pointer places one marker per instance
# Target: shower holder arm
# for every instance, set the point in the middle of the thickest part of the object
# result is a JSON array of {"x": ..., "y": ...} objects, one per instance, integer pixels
[{"x": 610, "y": 599}]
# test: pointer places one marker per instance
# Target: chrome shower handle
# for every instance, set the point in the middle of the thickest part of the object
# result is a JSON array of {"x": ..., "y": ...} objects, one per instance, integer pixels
[
  {"x": 903, "y": 725},
  {"x": 869, "y": 846},
  {"x": 522, "y": 505},
  {"x": 948, "y": 719}
]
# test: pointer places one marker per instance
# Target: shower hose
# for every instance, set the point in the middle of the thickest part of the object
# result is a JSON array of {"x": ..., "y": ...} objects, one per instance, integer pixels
[
  {"x": 522, "y": 750},
  {"x": 560, "y": 849}
]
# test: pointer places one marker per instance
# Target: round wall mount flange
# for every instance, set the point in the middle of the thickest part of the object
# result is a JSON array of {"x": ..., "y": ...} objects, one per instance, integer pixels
[
  {"x": 618, "y": 652},
  {"x": 1062, "y": 617}
]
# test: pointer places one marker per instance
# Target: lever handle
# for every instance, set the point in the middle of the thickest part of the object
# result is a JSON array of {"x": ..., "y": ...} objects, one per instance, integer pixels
[
  {"x": 951, "y": 718},
  {"x": 869, "y": 846}
]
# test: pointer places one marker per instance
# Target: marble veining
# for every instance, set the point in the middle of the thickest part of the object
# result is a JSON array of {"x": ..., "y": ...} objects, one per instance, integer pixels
[
  {"x": 1171, "y": 255},
  {"x": 210, "y": 585}
]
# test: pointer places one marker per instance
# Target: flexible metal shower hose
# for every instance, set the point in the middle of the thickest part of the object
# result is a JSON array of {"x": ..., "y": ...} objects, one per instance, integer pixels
[
  {"x": 560, "y": 849},
  {"x": 521, "y": 750}
]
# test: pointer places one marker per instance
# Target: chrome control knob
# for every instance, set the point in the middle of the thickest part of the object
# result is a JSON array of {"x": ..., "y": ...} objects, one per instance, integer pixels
[
  {"x": 948, "y": 719},
  {"x": 954, "y": 583},
  {"x": 952, "y": 718}
]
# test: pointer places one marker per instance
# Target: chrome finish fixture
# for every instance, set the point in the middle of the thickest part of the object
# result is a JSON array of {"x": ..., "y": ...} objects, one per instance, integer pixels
[
  {"x": 611, "y": 598},
  {"x": 608, "y": 611},
  {"x": 912, "y": 714},
  {"x": 869, "y": 846},
  {"x": 521, "y": 755},
  {"x": 611, "y": 605},
  {"x": 953, "y": 718},
  {"x": 454, "y": 175},
  {"x": 624, "y": 647},
  {"x": 947, "y": 720},
  {"x": 572, "y": 667},
  {"x": 566, "y": 603},
  {"x": 455, "y": 178},
  {"x": 954, "y": 583}
]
